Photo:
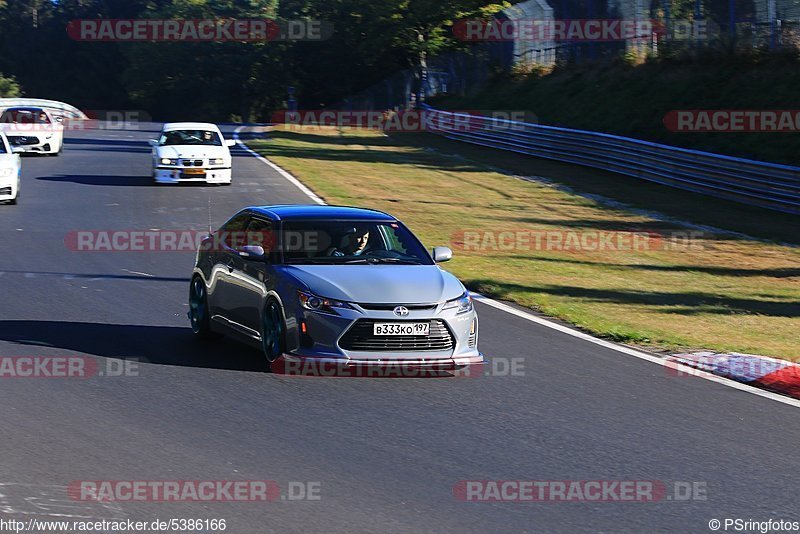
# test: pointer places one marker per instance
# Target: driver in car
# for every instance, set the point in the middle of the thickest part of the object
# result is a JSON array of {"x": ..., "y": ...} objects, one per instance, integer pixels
[{"x": 354, "y": 243}]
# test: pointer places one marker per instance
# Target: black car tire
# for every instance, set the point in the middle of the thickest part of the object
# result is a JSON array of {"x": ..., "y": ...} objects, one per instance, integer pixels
[{"x": 273, "y": 331}]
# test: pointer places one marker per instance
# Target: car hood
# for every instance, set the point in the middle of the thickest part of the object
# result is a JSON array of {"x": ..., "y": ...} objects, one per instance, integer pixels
[
  {"x": 192, "y": 151},
  {"x": 379, "y": 284}
]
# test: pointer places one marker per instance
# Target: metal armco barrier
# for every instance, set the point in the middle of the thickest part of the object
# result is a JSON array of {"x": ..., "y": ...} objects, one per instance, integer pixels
[{"x": 768, "y": 185}]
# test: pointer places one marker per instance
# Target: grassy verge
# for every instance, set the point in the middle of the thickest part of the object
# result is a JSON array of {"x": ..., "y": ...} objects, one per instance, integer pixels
[
  {"x": 718, "y": 291},
  {"x": 632, "y": 100}
]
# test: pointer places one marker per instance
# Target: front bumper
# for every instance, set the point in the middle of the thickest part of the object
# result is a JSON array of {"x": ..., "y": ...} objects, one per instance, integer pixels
[
  {"x": 34, "y": 143},
  {"x": 326, "y": 338},
  {"x": 293, "y": 365},
  {"x": 9, "y": 187},
  {"x": 175, "y": 175}
]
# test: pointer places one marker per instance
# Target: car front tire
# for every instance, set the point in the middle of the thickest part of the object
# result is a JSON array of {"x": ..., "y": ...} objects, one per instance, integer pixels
[
  {"x": 198, "y": 309},
  {"x": 273, "y": 331}
]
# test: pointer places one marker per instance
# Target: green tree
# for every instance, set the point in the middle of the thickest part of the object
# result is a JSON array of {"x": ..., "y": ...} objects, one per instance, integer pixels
[
  {"x": 9, "y": 87},
  {"x": 185, "y": 80}
]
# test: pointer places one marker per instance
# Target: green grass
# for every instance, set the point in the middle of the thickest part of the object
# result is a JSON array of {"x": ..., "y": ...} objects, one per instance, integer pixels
[
  {"x": 725, "y": 292},
  {"x": 632, "y": 100}
]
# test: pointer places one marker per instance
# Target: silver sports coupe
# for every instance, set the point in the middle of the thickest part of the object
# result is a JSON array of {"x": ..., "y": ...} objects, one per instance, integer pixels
[{"x": 338, "y": 285}]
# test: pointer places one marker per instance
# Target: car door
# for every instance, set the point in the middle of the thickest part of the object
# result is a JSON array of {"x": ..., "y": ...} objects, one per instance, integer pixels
[
  {"x": 250, "y": 278},
  {"x": 223, "y": 264}
]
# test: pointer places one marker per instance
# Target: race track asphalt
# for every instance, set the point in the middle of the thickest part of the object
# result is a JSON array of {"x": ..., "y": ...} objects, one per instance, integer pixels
[{"x": 386, "y": 453}]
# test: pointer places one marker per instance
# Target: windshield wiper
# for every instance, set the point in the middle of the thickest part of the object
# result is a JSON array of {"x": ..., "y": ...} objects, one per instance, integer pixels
[
  {"x": 384, "y": 260},
  {"x": 300, "y": 261}
]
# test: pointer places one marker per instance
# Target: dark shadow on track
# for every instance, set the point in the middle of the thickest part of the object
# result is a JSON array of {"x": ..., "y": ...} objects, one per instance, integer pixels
[
  {"x": 161, "y": 345},
  {"x": 130, "y": 150},
  {"x": 105, "y": 142},
  {"x": 678, "y": 303},
  {"x": 100, "y": 179},
  {"x": 787, "y": 272},
  {"x": 85, "y": 276},
  {"x": 107, "y": 145}
]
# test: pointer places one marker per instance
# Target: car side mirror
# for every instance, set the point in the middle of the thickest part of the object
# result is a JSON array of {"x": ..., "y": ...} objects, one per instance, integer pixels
[
  {"x": 230, "y": 142},
  {"x": 251, "y": 252},
  {"x": 152, "y": 142},
  {"x": 59, "y": 119},
  {"x": 442, "y": 254}
]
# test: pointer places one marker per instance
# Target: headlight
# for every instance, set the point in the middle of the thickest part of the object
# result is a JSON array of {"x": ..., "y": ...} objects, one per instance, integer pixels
[
  {"x": 216, "y": 161},
  {"x": 6, "y": 171},
  {"x": 463, "y": 303},
  {"x": 167, "y": 161},
  {"x": 310, "y": 301}
]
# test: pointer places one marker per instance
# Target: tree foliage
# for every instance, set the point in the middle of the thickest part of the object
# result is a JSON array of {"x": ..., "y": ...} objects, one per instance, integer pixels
[
  {"x": 217, "y": 81},
  {"x": 9, "y": 87}
]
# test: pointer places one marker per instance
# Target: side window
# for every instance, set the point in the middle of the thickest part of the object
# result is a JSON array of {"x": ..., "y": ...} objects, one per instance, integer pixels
[
  {"x": 232, "y": 233},
  {"x": 260, "y": 232}
]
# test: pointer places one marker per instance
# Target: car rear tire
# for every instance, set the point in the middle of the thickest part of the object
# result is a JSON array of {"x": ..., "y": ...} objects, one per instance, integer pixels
[
  {"x": 273, "y": 331},
  {"x": 198, "y": 309}
]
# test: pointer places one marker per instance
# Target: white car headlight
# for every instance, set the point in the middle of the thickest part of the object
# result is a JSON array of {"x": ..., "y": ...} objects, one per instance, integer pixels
[
  {"x": 310, "y": 301},
  {"x": 167, "y": 161},
  {"x": 216, "y": 161},
  {"x": 463, "y": 303}
]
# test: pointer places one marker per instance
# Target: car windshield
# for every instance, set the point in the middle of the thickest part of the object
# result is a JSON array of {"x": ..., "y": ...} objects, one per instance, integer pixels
[
  {"x": 24, "y": 116},
  {"x": 190, "y": 137},
  {"x": 351, "y": 242}
]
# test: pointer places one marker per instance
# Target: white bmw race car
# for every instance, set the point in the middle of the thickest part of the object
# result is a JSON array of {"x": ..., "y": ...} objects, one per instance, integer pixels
[
  {"x": 10, "y": 170},
  {"x": 31, "y": 129},
  {"x": 191, "y": 152}
]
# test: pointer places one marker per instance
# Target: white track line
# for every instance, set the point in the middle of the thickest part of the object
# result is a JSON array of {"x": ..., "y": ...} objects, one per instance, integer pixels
[
  {"x": 679, "y": 368},
  {"x": 308, "y": 192}
]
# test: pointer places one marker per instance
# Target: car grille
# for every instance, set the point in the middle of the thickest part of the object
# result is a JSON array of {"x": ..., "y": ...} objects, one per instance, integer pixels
[
  {"x": 360, "y": 338},
  {"x": 390, "y": 307},
  {"x": 192, "y": 162},
  {"x": 5, "y": 190},
  {"x": 19, "y": 140}
]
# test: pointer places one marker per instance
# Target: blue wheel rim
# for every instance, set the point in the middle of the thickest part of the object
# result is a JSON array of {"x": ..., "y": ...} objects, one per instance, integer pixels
[{"x": 272, "y": 332}]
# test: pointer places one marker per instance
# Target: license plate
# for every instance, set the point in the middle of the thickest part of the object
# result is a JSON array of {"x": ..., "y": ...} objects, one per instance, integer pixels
[
  {"x": 194, "y": 172},
  {"x": 401, "y": 329}
]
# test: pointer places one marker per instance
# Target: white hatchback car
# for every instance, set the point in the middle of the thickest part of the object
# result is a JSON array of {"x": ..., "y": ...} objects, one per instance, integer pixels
[
  {"x": 31, "y": 129},
  {"x": 10, "y": 169},
  {"x": 191, "y": 152}
]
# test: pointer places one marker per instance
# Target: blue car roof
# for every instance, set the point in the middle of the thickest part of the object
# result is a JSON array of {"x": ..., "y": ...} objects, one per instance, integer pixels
[{"x": 316, "y": 211}]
